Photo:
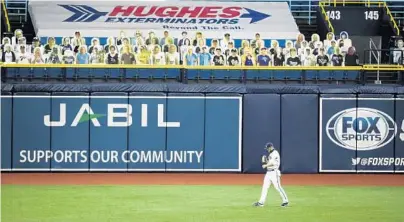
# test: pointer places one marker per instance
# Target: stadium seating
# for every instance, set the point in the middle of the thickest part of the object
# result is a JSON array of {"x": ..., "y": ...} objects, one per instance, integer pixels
[{"x": 141, "y": 63}]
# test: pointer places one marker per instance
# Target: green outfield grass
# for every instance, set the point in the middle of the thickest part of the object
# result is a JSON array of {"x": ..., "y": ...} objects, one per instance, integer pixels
[{"x": 199, "y": 203}]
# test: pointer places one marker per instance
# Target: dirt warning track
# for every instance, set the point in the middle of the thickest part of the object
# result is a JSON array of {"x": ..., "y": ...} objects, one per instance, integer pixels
[{"x": 197, "y": 179}]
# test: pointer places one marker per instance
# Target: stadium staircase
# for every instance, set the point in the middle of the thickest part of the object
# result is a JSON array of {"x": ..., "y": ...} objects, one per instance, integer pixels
[
  {"x": 382, "y": 74},
  {"x": 17, "y": 18}
]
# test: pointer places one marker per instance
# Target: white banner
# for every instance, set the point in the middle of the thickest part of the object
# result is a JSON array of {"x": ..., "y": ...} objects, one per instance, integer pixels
[{"x": 107, "y": 18}]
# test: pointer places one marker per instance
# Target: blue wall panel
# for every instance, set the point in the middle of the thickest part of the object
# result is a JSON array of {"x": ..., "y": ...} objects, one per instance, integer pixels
[
  {"x": 108, "y": 143},
  {"x": 69, "y": 143},
  {"x": 261, "y": 122},
  {"x": 399, "y": 142},
  {"x": 223, "y": 133},
  {"x": 299, "y": 133},
  {"x": 6, "y": 123},
  {"x": 334, "y": 157},
  {"x": 148, "y": 139},
  {"x": 31, "y": 138},
  {"x": 187, "y": 140}
]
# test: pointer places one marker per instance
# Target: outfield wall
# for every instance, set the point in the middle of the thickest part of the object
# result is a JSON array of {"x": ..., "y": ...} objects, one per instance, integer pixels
[{"x": 219, "y": 128}]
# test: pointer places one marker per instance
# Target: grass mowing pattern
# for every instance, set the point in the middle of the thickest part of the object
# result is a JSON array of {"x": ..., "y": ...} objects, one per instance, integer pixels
[{"x": 199, "y": 203}]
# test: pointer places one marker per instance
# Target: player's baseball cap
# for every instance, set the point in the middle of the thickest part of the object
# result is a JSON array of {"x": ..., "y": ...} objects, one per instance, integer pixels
[{"x": 268, "y": 145}]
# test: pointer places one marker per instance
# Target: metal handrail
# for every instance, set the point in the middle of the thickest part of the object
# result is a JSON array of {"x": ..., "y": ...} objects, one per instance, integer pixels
[
  {"x": 371, "y": 52},
  {"x": 3, "y": 5},
  {"x": 331, "y": 28},
  {"x": 392, "y": 18},
  {"x": 373, "y": 45}
]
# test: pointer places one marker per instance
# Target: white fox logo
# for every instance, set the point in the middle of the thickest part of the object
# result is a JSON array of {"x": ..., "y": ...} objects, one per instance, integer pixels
[{"x": 356, "y": 161}]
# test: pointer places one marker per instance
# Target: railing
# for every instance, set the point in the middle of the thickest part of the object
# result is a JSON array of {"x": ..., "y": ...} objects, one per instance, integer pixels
[
  {"x": 4, "y": 10},
  {"x": 392, "y": 19},
  {"x": 327, "y": 19},
  {"x": 107, "y": 66},
  {"x": 46, "y": 73},
  {"x": 128, "y": 66},
  {"x": 395, "y": 57}
]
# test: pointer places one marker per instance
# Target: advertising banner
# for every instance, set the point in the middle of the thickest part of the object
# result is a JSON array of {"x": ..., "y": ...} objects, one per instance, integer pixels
[
  {"x": 360, "y": 135},
  {"x": 121, "y": 132},
  {"x": 106, "y": 18}
]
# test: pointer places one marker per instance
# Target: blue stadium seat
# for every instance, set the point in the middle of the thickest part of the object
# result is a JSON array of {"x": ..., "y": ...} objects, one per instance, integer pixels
[
  {"x": 132, "y": 74},
  {"x": 173, "y": 73},
  {"x": 311, "y": 74},
  {"x": 324, "y": 75},
  {"x": 222, "y": 74},
  {"x": 55, "y": 73},
  {"x": 199, "y": 74},
  {"x": 70, "y": 73},
  {"x": 338, "y": 75},
  {"x": 98, "y": 73},
  {"x": 82, "y": 73},
  {"x": 258, "y": 75},
  {"x": 114, "y": 73},
  {"x": 12, "y": 72},
  {"x": 39, "y": 73},
  {"x": 293, "y": 74},
  {"x": 145, "y": 73},
  {"x": 351, "y": 75},
  {"x": 151, "y": 74},
  {"x": 279, "y": 74}
]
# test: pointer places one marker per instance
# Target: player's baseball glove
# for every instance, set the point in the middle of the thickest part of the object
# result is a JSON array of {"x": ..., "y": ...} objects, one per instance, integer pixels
[{"x": 264, "y": 159}]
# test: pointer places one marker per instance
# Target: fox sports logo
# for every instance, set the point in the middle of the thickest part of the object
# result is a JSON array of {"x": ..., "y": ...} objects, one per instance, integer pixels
[{"x": 361, "y": 129}]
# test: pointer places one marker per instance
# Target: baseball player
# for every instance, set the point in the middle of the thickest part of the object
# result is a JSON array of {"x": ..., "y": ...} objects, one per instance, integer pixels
[{"x": 271, "y": 162}]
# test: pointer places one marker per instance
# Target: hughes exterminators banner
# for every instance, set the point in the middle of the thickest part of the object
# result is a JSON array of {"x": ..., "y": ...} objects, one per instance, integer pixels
[{"x": 107, "y": 18}]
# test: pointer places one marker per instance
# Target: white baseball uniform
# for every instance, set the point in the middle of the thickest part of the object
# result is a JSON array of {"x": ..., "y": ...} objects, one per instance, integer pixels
[{"x": 273, "y": 175}]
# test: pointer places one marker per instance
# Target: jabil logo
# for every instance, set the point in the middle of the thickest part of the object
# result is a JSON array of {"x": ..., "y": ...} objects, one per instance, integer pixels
[
  {"x": 361, "y": 129},
  {"x": 118, "y": 115}
]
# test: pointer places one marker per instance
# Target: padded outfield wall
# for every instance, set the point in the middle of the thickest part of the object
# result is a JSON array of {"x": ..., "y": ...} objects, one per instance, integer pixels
[{"x": 177, "y": 127}]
